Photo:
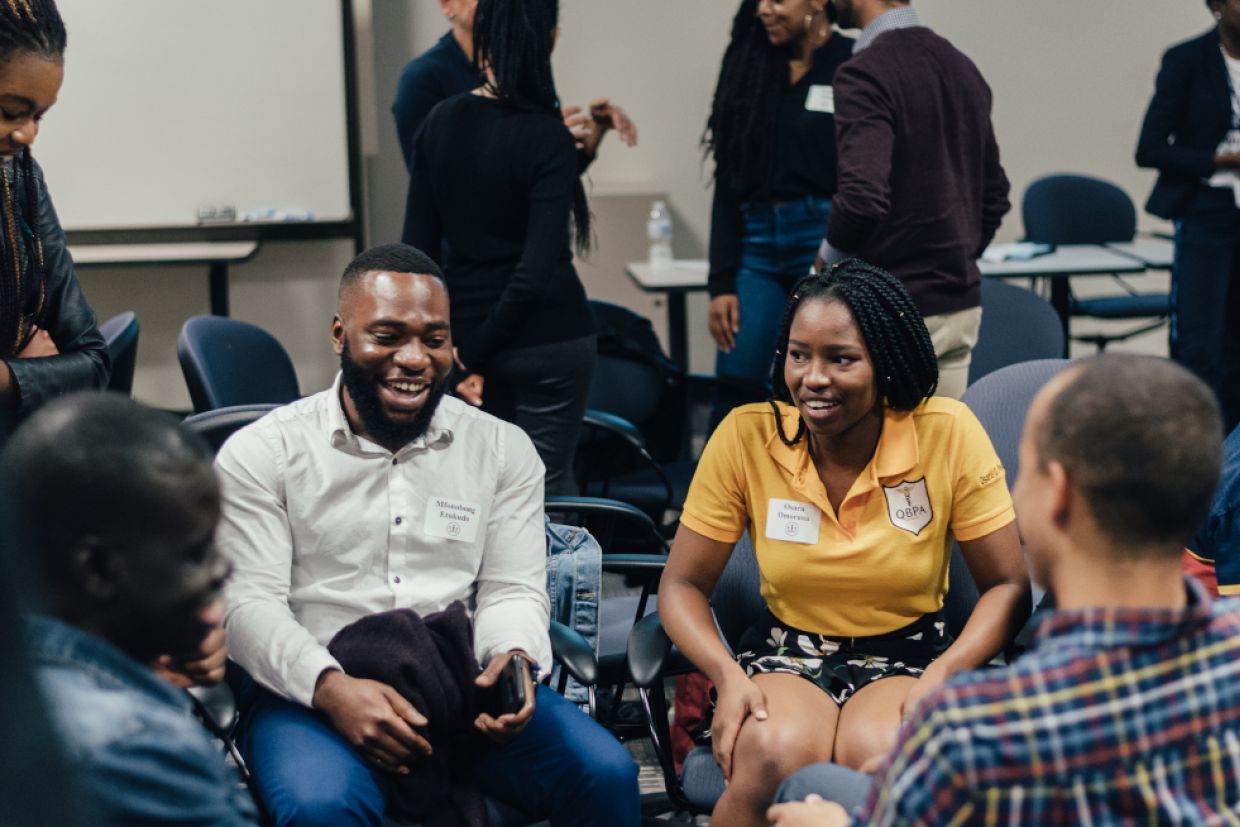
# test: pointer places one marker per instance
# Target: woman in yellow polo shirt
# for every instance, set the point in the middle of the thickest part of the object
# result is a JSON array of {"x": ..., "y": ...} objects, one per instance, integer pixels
[{"x": 852, "y": 487}]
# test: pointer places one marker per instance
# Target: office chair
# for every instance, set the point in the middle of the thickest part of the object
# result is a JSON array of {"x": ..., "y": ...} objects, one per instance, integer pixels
[
  {"x": 228, "y": 362},
  {"x": 1018, "y": 325},
  {"x": 120, "y": 336},
  {"x": 1077, "y": 209}
]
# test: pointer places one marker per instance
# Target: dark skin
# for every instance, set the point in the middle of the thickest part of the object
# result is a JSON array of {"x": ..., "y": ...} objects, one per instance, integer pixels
[
  {"x": 770, "y": 725},
  {"x": 29, "y": 86},
  {"x": 397, "y": 327},
  {"x": 804, "y": 25}
]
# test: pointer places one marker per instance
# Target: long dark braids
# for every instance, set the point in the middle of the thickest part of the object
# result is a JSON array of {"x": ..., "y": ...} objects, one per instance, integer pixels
[
  {"x": 906, "y": 370},
  {"x": 750, "y": 80},
  {"x": 513, "y": 39},
  {"x": 26, "y": 27}
]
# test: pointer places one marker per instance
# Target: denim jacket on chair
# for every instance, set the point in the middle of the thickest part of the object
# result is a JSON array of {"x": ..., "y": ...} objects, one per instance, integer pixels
[{"x": 574, "y": 578}]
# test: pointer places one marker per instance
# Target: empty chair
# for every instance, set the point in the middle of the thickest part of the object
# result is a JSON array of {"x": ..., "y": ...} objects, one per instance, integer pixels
[
  {"x": 218, "y": 424},
  {"x": 1078, "y": 209},
  {"x": 228, "y": 362},
  {"x": 120, "y": 336},
  {"x": 1018, "y": 325}
]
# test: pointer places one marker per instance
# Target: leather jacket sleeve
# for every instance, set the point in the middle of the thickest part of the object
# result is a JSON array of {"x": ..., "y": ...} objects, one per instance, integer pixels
[{"x": 83, "y": 362}]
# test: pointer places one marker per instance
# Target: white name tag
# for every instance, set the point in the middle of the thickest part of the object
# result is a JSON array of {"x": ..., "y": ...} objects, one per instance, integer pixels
[
  {"x": 793, "y": 522},
  {"x": 452, "y": 519},
  {"x": 821, "y": 99}
]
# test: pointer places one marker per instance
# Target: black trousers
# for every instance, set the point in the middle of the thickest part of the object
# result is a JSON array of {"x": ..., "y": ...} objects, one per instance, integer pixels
[{"x": 544, "y": 390}]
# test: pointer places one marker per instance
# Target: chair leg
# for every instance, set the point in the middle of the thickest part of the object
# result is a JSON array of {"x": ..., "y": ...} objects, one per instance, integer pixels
[{"x": 654, "y": 705}]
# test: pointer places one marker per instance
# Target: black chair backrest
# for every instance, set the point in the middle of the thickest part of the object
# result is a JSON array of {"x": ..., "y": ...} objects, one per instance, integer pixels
[
  {"x": 1000, "y": 401},
  {"x": 1077, "y": 209},
  {"x": 218, "y": 425},
  {"x": 227, "y": 362},
  {"x": 635, "y": 380},
  {"x": 120, "y": 336},
  {"x": 1018, "y": 325}
]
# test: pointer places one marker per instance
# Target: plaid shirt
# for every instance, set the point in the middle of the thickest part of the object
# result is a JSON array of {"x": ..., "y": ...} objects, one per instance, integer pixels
[{"x": 1116, "y": 716}]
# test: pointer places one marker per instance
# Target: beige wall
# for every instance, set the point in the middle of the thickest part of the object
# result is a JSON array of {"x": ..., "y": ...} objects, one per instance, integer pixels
[{"x": 1071, "y": 80}]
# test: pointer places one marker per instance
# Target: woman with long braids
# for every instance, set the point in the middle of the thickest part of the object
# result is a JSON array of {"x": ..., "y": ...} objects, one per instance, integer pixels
[
  {"x": 494, "y": 174},
  {"x": 772, "y": 134},
  {"x": 852, "y": 484},
  {"x": 49, "y": 343}
]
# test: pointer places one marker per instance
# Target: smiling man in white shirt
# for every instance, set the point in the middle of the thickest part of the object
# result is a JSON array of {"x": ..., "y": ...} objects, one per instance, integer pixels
[{"x": 382, "y": 493}]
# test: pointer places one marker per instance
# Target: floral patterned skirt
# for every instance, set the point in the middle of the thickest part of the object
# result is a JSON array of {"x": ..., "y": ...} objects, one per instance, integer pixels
[{"x": 840, "y": 666}]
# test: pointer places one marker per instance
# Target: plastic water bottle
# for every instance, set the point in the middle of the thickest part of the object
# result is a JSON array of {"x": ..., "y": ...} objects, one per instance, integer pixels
[{"x": 659, "y": 232}]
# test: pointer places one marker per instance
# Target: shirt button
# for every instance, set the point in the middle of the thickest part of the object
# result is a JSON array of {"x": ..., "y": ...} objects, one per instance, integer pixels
[
  {"x": 393, "y": 460},
  {"x": 396, "y": 578},
  {"x": 398, "y": 520}
]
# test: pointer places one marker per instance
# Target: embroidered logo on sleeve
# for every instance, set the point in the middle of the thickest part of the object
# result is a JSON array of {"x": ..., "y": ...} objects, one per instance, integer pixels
[
  {"x": 908, "y": 505},
  {"x": 990, "y": 476}
]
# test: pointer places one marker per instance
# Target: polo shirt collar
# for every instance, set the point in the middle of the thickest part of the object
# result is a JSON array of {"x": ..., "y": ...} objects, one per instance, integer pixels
[
  {"x": 896, "y": 453},
  {"x": 342, "y": 437}
]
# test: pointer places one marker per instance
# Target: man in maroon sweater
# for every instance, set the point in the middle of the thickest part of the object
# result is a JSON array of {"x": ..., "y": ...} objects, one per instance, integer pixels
[{"x": 920, "y": 188}]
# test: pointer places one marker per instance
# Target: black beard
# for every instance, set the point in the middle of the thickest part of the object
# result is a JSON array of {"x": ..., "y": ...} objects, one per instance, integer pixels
[{"x": 363, "y": 389}]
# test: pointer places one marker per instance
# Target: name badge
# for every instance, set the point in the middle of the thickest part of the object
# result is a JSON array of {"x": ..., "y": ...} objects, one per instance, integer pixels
[
  {"x": 821, "y": 99},
  {"x": 793, "y": 522},
  {"x": 452, "y": 519}
]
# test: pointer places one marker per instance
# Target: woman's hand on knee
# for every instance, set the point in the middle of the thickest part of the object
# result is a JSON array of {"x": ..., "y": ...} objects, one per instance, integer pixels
[{"x": 736, "y": 703}]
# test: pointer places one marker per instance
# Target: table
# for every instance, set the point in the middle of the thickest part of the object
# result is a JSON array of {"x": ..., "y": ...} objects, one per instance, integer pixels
[
  {"x": 683, "y": 277},
  {"x": 689, "y": 275},
  {"x": 215, "y": 255}
]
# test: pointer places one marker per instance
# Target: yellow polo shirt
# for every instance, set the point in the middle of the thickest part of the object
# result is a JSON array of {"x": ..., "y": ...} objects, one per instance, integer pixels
[{"x": 882, "y": 563}]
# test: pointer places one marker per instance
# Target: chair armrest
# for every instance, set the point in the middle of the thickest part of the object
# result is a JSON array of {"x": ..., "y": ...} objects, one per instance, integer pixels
[
  {"x": 617, "y": 425},
  {"x": 634, "y": 563},
  {"x": 574, "y": 653},
  {"x": 598, "y": 505},
  {"x": 648, "y": 649}
]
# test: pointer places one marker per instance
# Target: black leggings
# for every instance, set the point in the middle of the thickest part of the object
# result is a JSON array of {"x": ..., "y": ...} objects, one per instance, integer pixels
[{"x": 544, "y": 390}]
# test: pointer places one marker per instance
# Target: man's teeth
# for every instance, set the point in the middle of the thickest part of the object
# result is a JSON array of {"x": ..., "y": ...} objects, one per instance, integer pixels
[{"x": 408, "y": 387}]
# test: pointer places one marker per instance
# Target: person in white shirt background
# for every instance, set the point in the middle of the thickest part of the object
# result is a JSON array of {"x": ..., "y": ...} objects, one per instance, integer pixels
[{"x": 333, "y": 510}]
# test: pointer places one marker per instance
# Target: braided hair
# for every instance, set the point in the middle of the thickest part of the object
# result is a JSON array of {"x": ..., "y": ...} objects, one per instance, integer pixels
[
  {"x": 906, "y": 370},
  {"x": 754, "y": 73},
  {"x": 513, "y": 39},
  {"x": 27, "y": 27}
]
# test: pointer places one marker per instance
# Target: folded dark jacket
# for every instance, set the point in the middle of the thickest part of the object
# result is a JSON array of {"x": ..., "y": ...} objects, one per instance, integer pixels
[{"x": 430, "y": 661}]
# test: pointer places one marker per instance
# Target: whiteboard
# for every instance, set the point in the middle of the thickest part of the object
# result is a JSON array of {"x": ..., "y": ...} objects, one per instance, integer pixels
[{"x": 173, "y": 106}]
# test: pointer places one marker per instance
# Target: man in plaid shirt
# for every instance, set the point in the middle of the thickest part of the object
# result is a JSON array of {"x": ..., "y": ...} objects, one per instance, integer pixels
[{"x": 1127, "y": 708}]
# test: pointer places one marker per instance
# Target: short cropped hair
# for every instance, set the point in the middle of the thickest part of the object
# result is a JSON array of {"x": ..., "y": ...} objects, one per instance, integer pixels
[
  {"x": 390, "y": 258},
  {"x": 1141, "y": 438},
  {"x": 90, "y": 465}
]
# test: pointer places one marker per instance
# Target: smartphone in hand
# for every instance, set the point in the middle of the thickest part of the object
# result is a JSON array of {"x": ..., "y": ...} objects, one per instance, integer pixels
[{"x": 507, "y": 694}]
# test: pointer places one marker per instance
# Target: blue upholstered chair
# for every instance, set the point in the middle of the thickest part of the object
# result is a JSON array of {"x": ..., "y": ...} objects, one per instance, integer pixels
[
  {"x": 1018, "y": 325},
  {"x": 1078, "y": 209},
  {"x": 120, "y": 336},
  {"x": 228, "y": 362}
]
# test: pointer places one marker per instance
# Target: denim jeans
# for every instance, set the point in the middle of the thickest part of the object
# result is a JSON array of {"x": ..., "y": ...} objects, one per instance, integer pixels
[
  {"x": 563, "y": 767},
  {"x": 574, "y": 575},
  {"x": 1205, "y": 302},
  {"x": 779, "y": 245}
]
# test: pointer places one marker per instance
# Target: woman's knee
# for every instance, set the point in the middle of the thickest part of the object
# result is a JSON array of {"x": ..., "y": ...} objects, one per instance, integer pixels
[
  {"x": 773, "y": 749},
  {"x": 857, "y": 743}
]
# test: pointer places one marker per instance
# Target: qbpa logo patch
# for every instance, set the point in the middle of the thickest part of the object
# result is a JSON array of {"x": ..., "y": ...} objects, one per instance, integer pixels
[{"x": 908, "y": 505}]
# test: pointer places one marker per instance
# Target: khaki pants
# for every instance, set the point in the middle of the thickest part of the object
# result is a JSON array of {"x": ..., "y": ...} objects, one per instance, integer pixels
[{"x": 953, "y": 336}]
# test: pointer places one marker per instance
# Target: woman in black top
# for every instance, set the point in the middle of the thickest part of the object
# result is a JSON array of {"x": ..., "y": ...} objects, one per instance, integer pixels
[
  {"x": 772, "y": 134},
  {"x": 1191, "y": 135},
  {"x": 494, "y": 175},
  {"x": 49, "y": 344}
]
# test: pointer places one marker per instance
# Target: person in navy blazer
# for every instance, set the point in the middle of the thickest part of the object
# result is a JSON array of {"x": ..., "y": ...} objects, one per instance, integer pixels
[{"x": 1191, "y": 135}]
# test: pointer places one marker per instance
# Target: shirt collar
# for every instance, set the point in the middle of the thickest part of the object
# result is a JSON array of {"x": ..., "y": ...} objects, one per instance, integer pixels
[
  {"x": 902, "y": 17},
  {"x": 1106, "y": 627},
  {"x": 54, "y": 641},
  {"x": 343, "y": 438},
  {"x": 895, "y": 454}
]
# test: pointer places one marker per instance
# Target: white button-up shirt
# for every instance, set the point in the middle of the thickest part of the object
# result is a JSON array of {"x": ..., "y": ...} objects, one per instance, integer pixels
[{"x": 323, "y": 528}]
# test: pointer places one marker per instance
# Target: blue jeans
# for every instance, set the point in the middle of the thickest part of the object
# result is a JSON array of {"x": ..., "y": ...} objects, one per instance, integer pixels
[
  {"x": 845, "y": 787},
  {"x": 1205, "y": 302},
  {"x": 563, "y": 767},
  {"x": 778, "y": 248}
]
